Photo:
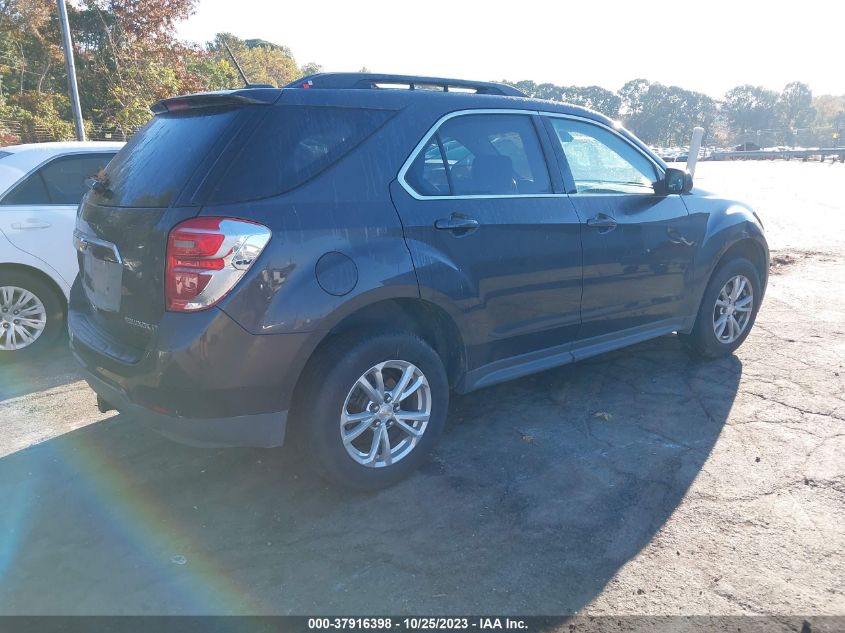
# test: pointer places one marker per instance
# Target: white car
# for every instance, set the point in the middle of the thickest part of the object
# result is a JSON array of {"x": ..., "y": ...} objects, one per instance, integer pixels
[{"x": 41, "y": 186}]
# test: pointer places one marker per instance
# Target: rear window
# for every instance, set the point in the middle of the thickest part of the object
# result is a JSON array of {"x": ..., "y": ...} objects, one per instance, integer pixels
[
  {"x": 292, "y": 145},
  {"x": 154, "y": 166}
]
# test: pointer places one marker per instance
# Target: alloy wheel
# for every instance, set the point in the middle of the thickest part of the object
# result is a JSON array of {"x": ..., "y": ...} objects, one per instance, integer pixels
[
  {"x": 385, "y": 413},
  {"x": 732, "y": 312},
  {"x": 23, "y": 318}
]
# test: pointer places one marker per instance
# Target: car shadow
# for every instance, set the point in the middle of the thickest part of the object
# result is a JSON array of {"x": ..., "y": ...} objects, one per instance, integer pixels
[
  {"x": 51, "y": 368},
  {"x": 539, "y": 491}
]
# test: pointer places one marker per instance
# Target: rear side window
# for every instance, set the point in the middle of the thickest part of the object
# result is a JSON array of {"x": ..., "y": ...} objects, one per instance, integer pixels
[
  {"x": 481, "y": 154},
  {"x": 427, "y": 174},
  {"x": 153, "y": 168},
  {"x": 61, "y": 181},
  {"x": 65, "y": 177},
  {"x": 30, "y": 191},
  {"x": 292, "y": 145}
]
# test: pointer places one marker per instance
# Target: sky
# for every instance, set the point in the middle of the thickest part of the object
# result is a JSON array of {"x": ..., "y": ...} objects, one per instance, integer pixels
[{"x": 705, "y": 46}]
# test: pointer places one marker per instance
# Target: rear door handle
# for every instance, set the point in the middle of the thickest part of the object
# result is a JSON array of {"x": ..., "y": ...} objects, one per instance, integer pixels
[
  {"x": 602, "y": 221},
  {"x": 676, "y": 238},
  {"x": 25, "y": 226},
  {"x": 457, "y": 223}
]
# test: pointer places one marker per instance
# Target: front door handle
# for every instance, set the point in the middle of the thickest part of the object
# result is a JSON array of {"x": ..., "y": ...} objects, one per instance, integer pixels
[
  {"x": 25, "y": 226},
  {"x": 602, "y": 221},
  {"x": 456, "y": 223}
]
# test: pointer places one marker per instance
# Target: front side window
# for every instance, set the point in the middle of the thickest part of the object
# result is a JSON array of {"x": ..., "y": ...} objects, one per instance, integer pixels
[
  {"x": 601, "y": 162},
  {"x": 481, "y": 154},
  {"x": 61, "y": 181}
]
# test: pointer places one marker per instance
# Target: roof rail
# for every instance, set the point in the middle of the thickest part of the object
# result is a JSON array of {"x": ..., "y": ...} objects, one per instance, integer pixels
[{"x": 413, "y": 82}]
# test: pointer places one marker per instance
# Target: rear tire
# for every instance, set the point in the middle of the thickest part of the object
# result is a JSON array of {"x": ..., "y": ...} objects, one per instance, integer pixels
[
  {"x": 724, "y": 321},
  {"x": 32, "y": 315},
  {"x": 334, "y": 405}
]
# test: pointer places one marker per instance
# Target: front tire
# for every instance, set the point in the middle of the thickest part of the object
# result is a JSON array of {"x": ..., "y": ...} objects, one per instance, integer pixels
[
  {"x": 31, "y": 315},
  {"x": 371, "y": 408},
  {"x": 728, "y": 310}
]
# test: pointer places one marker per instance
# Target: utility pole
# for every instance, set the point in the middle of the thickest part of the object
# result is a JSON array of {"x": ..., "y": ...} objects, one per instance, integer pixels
[{"x": 71, "y": 71}]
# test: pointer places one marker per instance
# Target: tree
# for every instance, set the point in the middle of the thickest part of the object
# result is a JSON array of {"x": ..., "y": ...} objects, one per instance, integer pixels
[
  {"x": 215, "y": 73},
  {"x": 8, "y": 116},
  {"x": 32, "y": 70},
  {"x": 310, "y": 69},
  {"x": 632, "y": 94},
  {"x": 795, "y": 106},
  {"x": 750, "y": 107},
  {"x": 258, "y": 43},
  {"x": 666, "y": 115},
  {"x": 593, "y": 97},
  {"x": 30, "y": 54},
  {"x": 526, "y": 85},
  {"x": 44, "y": 116},
  {"x": 720, "y": 132},
  {"x": 827, "y": 108},
  {"x": 129, "y": 57},
  {"x": 262, "y": 61}
]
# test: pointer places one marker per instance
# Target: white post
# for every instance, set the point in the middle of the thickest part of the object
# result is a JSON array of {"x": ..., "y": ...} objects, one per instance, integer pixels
[{"x": 694, "y": 147}]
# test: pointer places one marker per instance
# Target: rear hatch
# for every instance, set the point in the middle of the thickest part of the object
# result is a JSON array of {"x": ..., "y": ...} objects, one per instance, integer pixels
[
  {"x": 200, "y": 150},
  {"x": 153, "y": 183}
]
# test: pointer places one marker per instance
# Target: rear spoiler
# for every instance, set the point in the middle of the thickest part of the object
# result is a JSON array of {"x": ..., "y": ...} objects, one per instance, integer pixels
[{"x": 265, "y": 95}]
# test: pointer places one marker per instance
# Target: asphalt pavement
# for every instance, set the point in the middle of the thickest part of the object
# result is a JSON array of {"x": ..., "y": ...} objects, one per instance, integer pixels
[{"x": 639, "y": 482}]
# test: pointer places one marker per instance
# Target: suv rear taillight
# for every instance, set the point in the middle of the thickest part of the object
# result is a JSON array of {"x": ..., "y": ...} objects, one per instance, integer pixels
[{"x": 206, "y": 257}]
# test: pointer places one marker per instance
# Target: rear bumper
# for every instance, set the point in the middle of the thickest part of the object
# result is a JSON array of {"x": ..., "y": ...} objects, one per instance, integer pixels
[
  {"x": 202, "y": 378},
  {"x": 263, "y": 430}
]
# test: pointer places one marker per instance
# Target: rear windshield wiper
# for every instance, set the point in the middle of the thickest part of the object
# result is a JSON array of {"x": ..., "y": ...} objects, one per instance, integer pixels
[{"x": 100, "y": 184}]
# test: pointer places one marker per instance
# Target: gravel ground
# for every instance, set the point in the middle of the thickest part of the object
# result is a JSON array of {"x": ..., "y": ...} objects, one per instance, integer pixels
[{"x": 640, "y": 482}]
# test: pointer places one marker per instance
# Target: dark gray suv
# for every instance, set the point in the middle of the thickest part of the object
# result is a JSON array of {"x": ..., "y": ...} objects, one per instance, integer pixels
[{"x": 331, "y": 258}]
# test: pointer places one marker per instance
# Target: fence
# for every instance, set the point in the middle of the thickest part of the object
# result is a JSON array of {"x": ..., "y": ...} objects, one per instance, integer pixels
[
  {"x": 800, "y": 137},
  {"x": 14, "y": 132},
  {"x": 819, "y": 153}
]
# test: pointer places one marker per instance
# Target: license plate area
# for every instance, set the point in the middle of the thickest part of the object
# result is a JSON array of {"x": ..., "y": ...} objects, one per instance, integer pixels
[{"x": 101, "y": 271}]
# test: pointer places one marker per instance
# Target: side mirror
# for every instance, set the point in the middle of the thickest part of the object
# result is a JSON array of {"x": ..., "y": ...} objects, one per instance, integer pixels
[{"x": 675, "y": 181}]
